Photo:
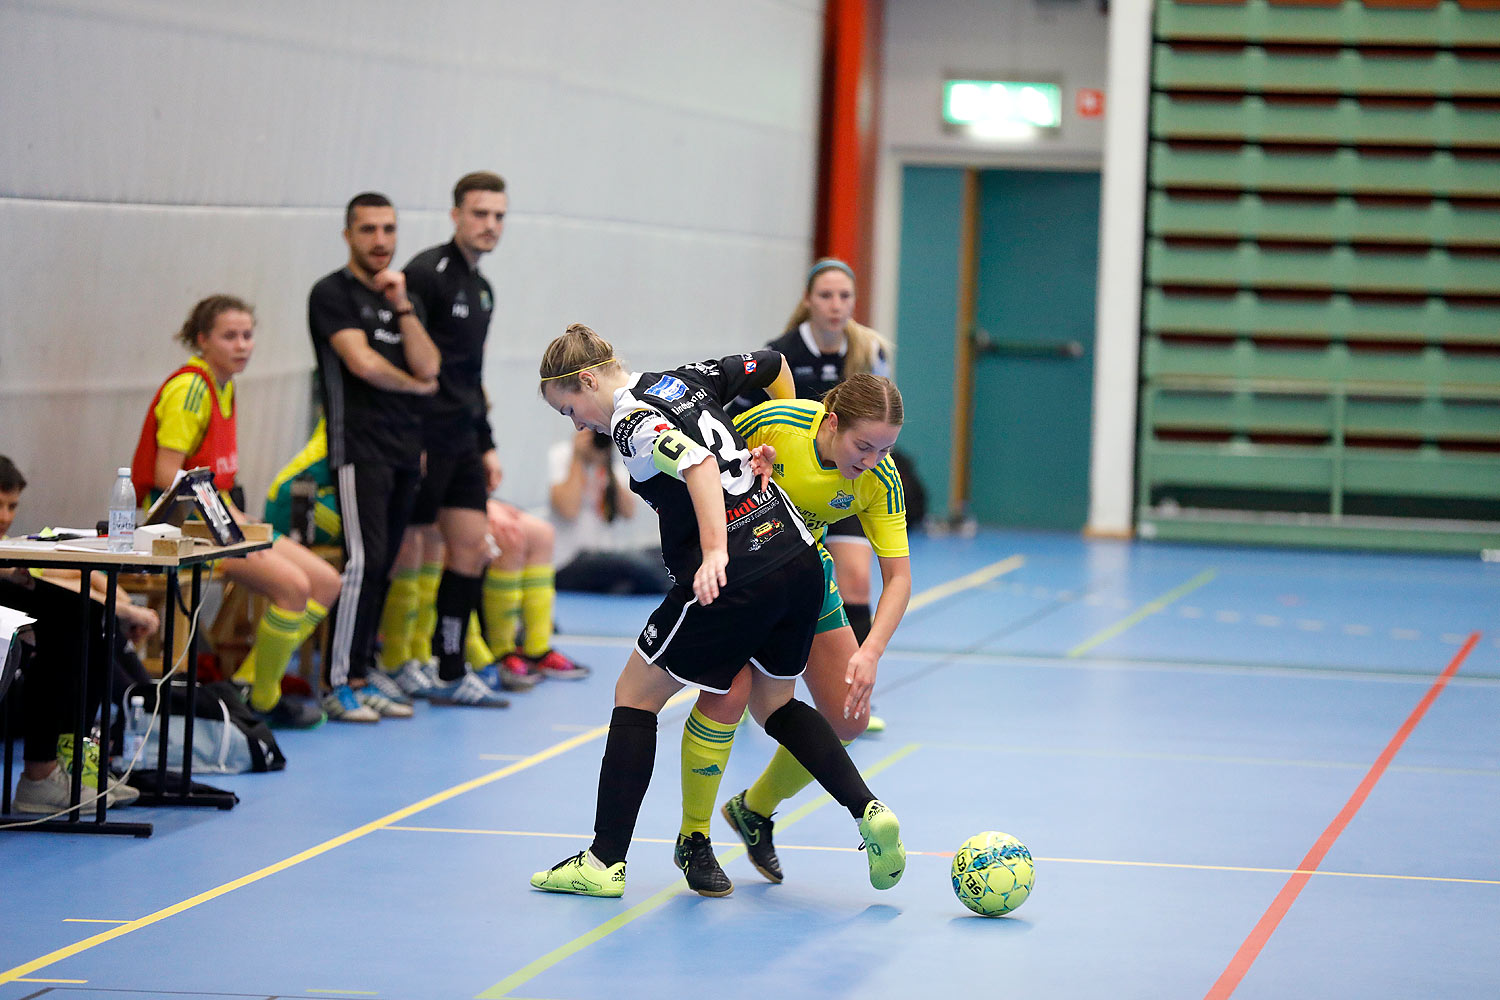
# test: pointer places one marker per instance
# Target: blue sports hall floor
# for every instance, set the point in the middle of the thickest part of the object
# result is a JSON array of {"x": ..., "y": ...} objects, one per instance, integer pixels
[{"x": 1243, "y": 772}]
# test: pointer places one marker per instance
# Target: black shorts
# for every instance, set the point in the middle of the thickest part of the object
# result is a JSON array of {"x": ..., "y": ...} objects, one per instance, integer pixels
[
  {"x": 768, "y": 623},
  {"x": 456, "y": 480},
  {"x": 847, "y": 530}
]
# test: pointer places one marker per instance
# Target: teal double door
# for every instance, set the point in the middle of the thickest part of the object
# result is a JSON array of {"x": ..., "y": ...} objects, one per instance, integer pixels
[{"x": 1036, "y": 252}]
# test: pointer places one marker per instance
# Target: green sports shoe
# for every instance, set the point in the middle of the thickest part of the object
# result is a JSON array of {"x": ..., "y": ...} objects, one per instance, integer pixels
[
  {"x": 583, "y": 876},
  {"x": 883, "y": 849}
]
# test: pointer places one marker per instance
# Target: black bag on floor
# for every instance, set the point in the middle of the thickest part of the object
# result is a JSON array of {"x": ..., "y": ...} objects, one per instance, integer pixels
[{"x": 228, "y": 738}]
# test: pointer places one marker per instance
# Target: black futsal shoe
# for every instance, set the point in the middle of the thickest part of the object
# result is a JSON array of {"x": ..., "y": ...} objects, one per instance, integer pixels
[
  {"x": 695, "y": 856},
  {"x": 755, "y": 830}
]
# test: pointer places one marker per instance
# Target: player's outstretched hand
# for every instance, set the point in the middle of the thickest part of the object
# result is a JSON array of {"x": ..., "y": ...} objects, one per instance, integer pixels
[
  {"x": 860, "y": 676},
  {"x": 762, "y": 458},
  {"x": 710, "y": 576}
]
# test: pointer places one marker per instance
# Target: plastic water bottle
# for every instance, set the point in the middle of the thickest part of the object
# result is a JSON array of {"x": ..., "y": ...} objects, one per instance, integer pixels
[
  {"x": 122, "y": 513},
  {"x": 135, "y": 727}
]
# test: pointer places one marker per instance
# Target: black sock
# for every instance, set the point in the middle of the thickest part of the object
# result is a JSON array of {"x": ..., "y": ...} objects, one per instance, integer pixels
[
  {"x": 808, "y": 737},
  {"x": 457, "y": 597},
  {"x": 859, "y": 620},
  {"x": 629, "y": 756}
]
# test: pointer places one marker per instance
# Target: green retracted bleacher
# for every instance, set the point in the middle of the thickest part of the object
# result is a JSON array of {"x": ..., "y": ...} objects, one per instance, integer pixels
[{"x": 1320, "y": 356}]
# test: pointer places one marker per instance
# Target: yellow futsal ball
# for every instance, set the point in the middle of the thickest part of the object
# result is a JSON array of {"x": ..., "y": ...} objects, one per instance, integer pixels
[{"x": 992, "y": 873}]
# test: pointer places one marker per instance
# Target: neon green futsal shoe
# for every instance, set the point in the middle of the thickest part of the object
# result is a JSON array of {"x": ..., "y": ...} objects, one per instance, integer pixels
[
  {"x": 883, "y": 849},
  {"x": 584, "y": 875}
]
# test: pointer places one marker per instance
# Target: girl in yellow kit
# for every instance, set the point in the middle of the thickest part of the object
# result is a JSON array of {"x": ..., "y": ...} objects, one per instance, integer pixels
[
  {"x": 191, "y": 423},
  {"x": 832, "y": 459}
]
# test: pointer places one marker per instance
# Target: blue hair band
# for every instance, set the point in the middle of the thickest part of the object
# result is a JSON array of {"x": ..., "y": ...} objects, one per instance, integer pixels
[{"x": 829, "y": 264}]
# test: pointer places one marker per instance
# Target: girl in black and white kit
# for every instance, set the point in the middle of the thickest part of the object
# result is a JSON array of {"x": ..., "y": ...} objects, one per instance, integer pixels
[{"x": 747, "y": 587}]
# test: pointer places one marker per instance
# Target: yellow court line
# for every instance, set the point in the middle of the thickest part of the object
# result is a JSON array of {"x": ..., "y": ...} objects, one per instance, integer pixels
[
  {"x": 535, "y": 968},
  {"x": 10, "y": 975},
  {"x": 965, "y": 582},
  {"x": 1144, "y": 612},
  {"x": 71, "y": 981}
]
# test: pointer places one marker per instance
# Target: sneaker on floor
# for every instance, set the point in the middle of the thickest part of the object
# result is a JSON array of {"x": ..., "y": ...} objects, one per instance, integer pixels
[
  {"x": 695, "y": 856},
  {"x": 755, "y": 830},
  {"x": 558, "y": 667},
  {"x": 467, "y": 690},
  {"x": 342, "y": 706},
  {"x": 369, "y": 697},
  {"x": 291, "y": 712},
  {"x": 512, "y": 672},
  {"x": 416, "y": 679},
  {"x": 882, "y": 845},
  {"x": 386, "y": 685},
  {"x": 583, "y": 875}
]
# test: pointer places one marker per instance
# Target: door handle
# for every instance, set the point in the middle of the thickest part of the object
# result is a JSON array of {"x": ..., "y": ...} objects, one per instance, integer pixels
[{"x": 1065, "y": 350}]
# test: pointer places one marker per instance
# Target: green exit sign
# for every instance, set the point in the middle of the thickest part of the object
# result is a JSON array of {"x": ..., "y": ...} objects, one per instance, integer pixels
[{"x": 1001, "y": 107}]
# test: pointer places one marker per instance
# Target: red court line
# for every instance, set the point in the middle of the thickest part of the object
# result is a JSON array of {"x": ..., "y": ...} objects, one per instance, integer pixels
[{"x": 1229, "y": 980}]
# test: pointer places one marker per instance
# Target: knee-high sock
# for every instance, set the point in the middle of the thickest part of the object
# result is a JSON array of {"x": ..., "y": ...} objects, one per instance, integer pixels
[
  {"x": 398, "y": 619},
  {"x": 425, "y": 620},
  {"x": 798, "y": 727},
  {"x": 457, "y": 599},
  {"x": 859, "y": 620},
  {"x": 781, "y": 779},
  {"x": 502, "y": 609},
  {"x": 705, "y": 752},
  {"x": 538, "y": 595},
  {"x": 475, "y": 649},
  {"x": 311, "y": 619},
  {"x": 624, "y": 775},
  {"x": 275, "y": 642}
]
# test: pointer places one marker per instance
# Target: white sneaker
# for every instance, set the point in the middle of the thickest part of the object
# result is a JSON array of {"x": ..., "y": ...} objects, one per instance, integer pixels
[
  {"x": 386, "y": 684},
  {"x": 416, "y": 679},
  {"x": 384, "y": 707},
  {"x": 45, "y": 796},
  {"x": 342, "y": 706}
]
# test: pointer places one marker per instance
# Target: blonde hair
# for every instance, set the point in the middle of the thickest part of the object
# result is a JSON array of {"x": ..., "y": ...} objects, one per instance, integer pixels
[
  {"x": 577, "y": 350},
  {"x": 865, "y": 345},
  {"x": 863, "y": 396},
  {"x": 205, "y": 313}
]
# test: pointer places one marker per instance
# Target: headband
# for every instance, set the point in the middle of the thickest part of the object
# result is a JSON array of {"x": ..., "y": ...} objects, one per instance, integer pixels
[
  {"x": 829, "y": 264},
  {"x": 596, "y": 364}
]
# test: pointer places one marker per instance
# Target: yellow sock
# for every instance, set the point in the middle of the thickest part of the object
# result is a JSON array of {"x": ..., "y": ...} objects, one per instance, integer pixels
[
  {"x": 475, "y": 651},
  {"x": 419, "y": 645},
  {"x": 398, "y": 619},
  {"x": 311, "y": 619},
  {"x": 538, "y": 595},
  {"x": 275, "y": 642},
  {"x": 502, "y": 609},
  {"x": 781, "y": 779},
  {"x": 246, "y": 672},
  {"x": 705, "y": 752}
]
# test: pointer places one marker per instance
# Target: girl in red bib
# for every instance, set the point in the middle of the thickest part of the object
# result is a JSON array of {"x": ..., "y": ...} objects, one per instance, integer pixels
[{"x": 191, "y": 423}]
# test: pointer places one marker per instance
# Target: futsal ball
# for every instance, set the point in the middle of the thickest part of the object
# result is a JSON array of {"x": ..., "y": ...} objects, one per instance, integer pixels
[{"x": 992, "y": 873}]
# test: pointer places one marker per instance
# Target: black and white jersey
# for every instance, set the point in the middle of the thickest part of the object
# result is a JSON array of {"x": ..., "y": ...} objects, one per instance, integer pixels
[
  {"x": 459, "y": 304},
  {"x": 666, "y": 422},
  {"x": 813, "y": 371},
  {"x": 365, "y": 423}
]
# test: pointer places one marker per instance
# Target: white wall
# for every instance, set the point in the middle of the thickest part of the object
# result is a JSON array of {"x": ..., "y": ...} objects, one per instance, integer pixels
[
  {"x": 928, "y": 41},
  {"x": 660, "y": 157}
]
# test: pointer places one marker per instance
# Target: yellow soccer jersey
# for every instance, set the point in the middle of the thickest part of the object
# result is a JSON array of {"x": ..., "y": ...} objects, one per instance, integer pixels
[
  {"x": 182, "y": 412},
  {"x": 822, "y": 495}
]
